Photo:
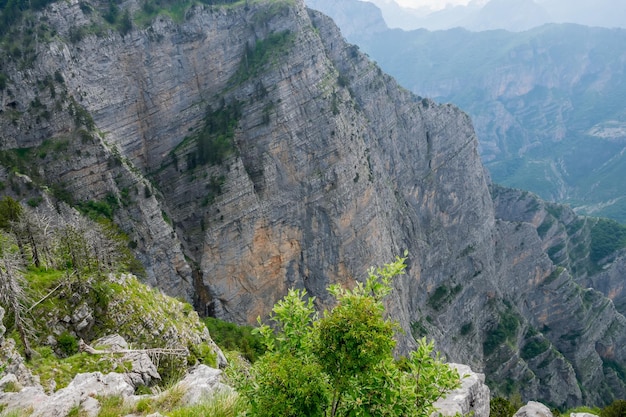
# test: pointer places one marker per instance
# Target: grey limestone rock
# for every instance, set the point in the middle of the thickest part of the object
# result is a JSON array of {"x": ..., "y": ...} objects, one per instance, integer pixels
[
  {"x": 471, "y": 399},
  {"x": 6, "y": 380},
  {"x": 82, "y": 389},
  {"x": 201, "y": 382},
  {"x": 533, "y": 409}
]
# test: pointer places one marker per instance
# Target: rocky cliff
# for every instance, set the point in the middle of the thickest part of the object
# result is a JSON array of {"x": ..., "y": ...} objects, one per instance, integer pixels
[
  {"x": 247, "y": 149},
  {"x": 546, "y": 103}
]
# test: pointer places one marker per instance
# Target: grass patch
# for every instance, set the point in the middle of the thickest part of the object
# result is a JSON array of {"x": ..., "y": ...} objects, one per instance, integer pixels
[
  {"x": 218, "y": 405},
  {"x": 57, "y": 372}
]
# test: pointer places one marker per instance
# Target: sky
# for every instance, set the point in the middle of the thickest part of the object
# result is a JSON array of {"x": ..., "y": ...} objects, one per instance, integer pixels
[{"x": 432, "y": 4}]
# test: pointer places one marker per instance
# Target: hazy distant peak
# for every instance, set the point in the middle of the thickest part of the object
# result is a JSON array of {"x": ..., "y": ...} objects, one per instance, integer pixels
[
  {"x": 513, "y": 15},
  {"x": 352, "y": 16}
]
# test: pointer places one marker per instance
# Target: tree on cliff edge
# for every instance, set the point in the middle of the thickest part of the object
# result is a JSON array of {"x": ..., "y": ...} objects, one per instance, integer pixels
[{"x": 341, "y": 364}]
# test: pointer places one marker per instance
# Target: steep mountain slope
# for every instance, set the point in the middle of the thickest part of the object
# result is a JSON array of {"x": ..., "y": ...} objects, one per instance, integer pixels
[
  {"x": 547, "y": 103},
  {"x": 252, "y": 139}
]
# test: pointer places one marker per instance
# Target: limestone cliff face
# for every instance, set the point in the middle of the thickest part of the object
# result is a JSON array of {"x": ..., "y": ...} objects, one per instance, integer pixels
[{"x": 249, "y": 149}]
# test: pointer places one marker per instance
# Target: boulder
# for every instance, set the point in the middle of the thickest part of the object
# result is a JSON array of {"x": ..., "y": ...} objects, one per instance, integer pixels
[
  {"x": 28, "y": 397},
  {"x": 534, "y": 409},
  {"x": 582, "y": 415},
  {"x": 82, "y": 389},
  {"x": 471, "y": 398},
  {"x": 200, "y": 383}
]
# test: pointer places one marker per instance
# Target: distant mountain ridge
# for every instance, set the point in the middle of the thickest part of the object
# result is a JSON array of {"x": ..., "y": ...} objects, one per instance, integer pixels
[
  {"x": 547, "y": 104},
  {"x": 513, "y": 15}
]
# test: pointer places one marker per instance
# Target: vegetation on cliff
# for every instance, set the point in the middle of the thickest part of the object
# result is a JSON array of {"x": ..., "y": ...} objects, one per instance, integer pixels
[{"x": 63, "y": 278}]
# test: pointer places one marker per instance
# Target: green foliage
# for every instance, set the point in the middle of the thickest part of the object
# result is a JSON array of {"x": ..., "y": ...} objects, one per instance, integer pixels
[
  {"x": 501, "y": 407},
  {"x": 10, "y": 211},
  {"x": 289, "y": 385},
  {"x": 616, "y": 409},
  {"x": 342, "y": 363},
  {"x": 203, "y": 354},
  {"x": 545, "y": 226},
  {"x": 51, "y": 368},
  {"x": 99, "y": 209},
  {"x": 534, "y": 347},
  {"x": 68, "y": 344},
  {"x": 607, "y": 236},
  {"x": 506, "y": 329},
  {"x": 213, "y": 142},
  {"x": 442, "y": 296},
  {"x": 265, "y": 52},
  {"x": 113, "y": 406},
  {"x": 229, "y": 336}
]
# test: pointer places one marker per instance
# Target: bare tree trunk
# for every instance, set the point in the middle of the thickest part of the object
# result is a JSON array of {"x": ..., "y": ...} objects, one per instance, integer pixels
[{"x": 12, "y": 295}]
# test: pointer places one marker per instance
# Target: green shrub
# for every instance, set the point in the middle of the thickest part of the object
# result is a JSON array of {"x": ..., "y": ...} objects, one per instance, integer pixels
[
  {"x": 230, "y": 336},
  {"x": 506, "y": 329},
  {"x": 67, "y": 343},
  {"x": 616, "y": 409},
  {"x": 534, "y": 347},
  {"x": 342, "y": 363},
  {"x": 501, "y": 407}
]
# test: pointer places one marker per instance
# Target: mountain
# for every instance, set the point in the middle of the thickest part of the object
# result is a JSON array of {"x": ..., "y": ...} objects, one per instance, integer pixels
[
  {"x": 512, "y": 15},
  {"x": 546, "y": 103},
  {"x": 245, "y": 148}
]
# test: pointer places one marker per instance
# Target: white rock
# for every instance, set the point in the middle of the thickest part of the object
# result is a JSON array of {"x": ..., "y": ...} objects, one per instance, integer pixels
[
  {"x": 533, "y": 409},
  {"x": 200, "y": 383},
  {"x": 472, "y": 397},
  {"x": 6, "y": 380}
]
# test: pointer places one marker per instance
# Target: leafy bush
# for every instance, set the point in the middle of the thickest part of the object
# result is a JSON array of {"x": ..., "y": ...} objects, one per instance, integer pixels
[{"x": 342, "y": 363}]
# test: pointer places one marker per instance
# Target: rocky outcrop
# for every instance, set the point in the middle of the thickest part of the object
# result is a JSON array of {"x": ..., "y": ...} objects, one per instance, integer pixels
[
  {"x": 85, "y": 390},
  {"x": 249, "y": 149},
  {"x": 533, "y": 409},
  {"x": 12, "y": 367},
  {"x": 142, "y": 370},
  {"x": 79, "y": 393},
  {"x": 200, "y": 383},
  {"x": 472, "y": 398},
  {"x": 545, "y": 103}
]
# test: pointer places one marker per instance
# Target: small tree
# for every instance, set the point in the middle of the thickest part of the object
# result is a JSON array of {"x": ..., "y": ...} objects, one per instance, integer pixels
[{"x": 342, "y": 364}]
